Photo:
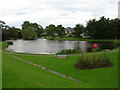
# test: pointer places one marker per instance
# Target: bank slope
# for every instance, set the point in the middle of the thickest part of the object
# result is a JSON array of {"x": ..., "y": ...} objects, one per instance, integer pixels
[
  {"x": 95, "y": 78},
  {"x": 18, "y": 74}
]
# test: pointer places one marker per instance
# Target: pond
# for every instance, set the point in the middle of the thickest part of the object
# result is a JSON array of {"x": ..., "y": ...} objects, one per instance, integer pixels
[{"x": 44, "y": 46}]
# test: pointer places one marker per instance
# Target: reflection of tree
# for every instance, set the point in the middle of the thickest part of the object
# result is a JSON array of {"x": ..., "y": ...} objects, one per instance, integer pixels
[{"x": 82, "y": 45}]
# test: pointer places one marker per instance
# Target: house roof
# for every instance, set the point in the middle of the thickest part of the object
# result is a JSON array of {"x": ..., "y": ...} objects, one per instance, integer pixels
[{"x": 69, "y": 29}]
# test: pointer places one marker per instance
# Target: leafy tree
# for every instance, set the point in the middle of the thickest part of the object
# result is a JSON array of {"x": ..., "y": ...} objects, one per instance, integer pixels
[
  {"x": 13, "y": 33},
  {"x": 60, "y": 30},
  {"x": 50, "y": 30},
  {"x": 25, "y": 25},
  {"x": 39, "y": 28},
  {"x": 3, "y": 30},
  {"x": 20, "y": 34},
  {"x": 8, "y": 32},
  {"x": 90, "y": 29},
  {"x": 104, "y": 28},
  {"x": 29, "y": 33},
  {"x": 1, "y": 26},
  {"x": 78, "y": 30},
  {"x": 116, "y": 28}
]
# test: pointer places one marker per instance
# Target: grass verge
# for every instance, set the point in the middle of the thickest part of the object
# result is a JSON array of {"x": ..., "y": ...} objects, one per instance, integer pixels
[
  {"x": 96, "y": 78},
  {"x": 18, "y": 74}
]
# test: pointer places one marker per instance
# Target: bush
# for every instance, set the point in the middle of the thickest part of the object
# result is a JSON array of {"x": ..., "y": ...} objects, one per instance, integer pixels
[
  {"x": 51, "y": 39},
  {"x": 96, "y": 50},
  {"x": 10, "y": 43},
  {"x": 116, "y": 44},
  {"x": 91, "y": 62},
  {"x": 68, "y": 51},
  {"x": 69, "y": 35}
]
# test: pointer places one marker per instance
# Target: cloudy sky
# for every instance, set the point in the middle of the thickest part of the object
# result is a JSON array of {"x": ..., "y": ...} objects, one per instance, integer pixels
[{"x": 65, "y": 12}]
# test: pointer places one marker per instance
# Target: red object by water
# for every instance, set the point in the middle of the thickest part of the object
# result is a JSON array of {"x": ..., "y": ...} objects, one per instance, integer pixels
[{"x": 95, "y": 45}]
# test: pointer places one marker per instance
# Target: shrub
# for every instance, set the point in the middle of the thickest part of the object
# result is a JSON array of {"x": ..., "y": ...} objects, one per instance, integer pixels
[
  {"x": 96, "y": 50},
  {"x": 69, "y": 35},
  {"x": 51, "y": 38},
  {"x": 116, "y": 44},
  {"x": 10, "y": 43},
  {"x": 91, "y": 62},
  {"x": 103, "y": 61}
]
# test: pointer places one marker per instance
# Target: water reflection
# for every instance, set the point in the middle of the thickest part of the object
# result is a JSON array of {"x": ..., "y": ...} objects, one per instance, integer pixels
[{"x": 43, "y": 46}]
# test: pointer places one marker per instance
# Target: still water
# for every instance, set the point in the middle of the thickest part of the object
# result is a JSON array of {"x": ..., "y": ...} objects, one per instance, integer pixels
[{"x": 44, "y": 46}]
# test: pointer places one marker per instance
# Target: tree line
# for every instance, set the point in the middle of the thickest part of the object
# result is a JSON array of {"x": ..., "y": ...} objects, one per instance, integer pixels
[{"x": 103, "y": 28}]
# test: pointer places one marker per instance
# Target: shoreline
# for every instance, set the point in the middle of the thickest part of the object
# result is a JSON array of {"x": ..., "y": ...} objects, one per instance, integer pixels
[
  {"x": 74, "y": 54},
  {"x": 81, "y": 39}
]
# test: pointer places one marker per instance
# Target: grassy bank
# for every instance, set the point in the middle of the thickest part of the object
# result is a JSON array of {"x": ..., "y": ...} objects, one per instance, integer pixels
[
  {"x": 95, "y": 78},
  {"x": 18, "y": 74},
  {"x": 0, "y": 66},
  {"x": 80, "y": 39},
  {"x": 3, "y": 45}
]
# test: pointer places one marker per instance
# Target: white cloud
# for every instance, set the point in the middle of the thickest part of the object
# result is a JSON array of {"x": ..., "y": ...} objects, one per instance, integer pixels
[{"x": 65, "y": 12}]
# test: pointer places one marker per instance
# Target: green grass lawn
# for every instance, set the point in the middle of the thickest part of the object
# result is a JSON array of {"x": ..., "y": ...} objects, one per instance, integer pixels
[
  {"x": 0, "y": 66},
  {"x": 3, "y": 45},
  {"x": 18, "y": 74},
  {"x": 95, "y": 78},
  {"x": 0, "y": 45},
  {"x": 0, "y": 70}
]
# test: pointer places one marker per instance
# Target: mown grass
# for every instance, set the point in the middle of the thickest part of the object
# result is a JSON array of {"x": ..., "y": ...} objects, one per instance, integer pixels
[
  {"x": 18, "y": 74},
  {"x": 3, "y": 45},
  {"x": 94, "y": 78},
  {"x": 0, "y": 65},
  {"x": 0, "y": 70}
]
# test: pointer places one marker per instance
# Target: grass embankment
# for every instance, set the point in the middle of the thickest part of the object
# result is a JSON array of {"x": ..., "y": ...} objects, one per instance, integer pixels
[
  {"x": 81, "y": 39},
  {"x": 3, "y": 45},
  {"x": 18, "y": 74},
  {"x": 94, "y": 78},
  {"x": 0, "y": 66}
]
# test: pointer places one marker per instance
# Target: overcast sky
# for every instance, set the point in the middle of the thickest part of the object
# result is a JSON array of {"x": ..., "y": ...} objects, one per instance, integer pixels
[{"x": 65, "y": 12}]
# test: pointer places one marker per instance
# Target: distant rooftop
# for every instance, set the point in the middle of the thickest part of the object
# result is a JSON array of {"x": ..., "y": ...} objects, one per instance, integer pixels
[{"x": 69, "y": 29}]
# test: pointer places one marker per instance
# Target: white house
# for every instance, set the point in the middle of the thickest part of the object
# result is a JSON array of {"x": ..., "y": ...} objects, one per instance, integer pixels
[{"x": 69, "y": 30}]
